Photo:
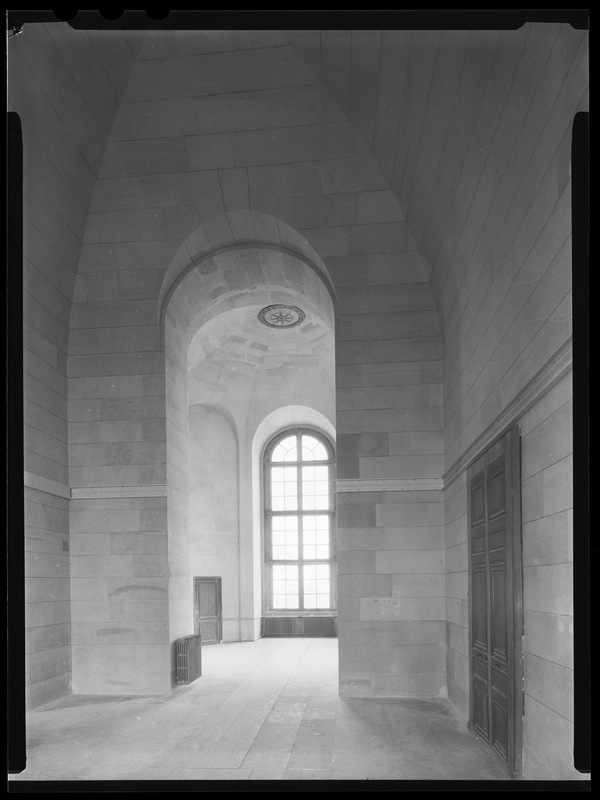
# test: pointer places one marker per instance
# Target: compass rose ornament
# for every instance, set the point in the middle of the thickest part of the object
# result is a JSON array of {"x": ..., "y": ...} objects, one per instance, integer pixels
[{"x": 281, "y": 316}]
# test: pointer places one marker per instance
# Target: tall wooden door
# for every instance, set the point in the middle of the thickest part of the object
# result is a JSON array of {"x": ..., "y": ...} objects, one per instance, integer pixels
[
  {"x": 496, "y": 611},
  {"x": 207, "y": 609}
]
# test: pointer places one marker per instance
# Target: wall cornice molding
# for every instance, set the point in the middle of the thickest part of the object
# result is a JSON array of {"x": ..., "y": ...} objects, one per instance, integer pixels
[
  {"x": 390, "y": 485},
  {"x": 545, "y": 378},
  {"x": 548, "y": 376},
  {"x": 107, "y": 492},
  {"x": 41, "y": 484}
]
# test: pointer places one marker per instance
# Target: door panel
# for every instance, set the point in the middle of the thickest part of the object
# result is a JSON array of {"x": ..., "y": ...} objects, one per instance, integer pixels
[
  {"x": 479, "y": 609},
  {"x": 496, "y": 541},
  {"x": 499, "y": 603},
  {"x": 477, "y": 501},
  {"x": 496, "y": 489},
  {"x": 495, "y": 599},
  {"x": 500, "y": 729},
  {"x": 480, "y": 712},
  {"x": 207, "y": 609}
]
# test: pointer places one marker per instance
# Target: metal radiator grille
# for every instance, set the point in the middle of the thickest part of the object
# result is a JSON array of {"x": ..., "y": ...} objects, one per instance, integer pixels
[
  {"x": 299, "y": 626},
  {"x": 189, "y": 659}
]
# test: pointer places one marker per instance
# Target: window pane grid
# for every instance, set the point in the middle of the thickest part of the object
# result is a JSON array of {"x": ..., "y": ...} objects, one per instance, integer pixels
[
  {"x": 284, "y": 488},
  {"x": 315, "y": 488},
  {"x": 315, "y": 537},
  {"x": 286, "y": 586},
  {"x": 299, "y": 507},
  {"x": 316, "y": 586},
  {"x": 284, "y": 538}
]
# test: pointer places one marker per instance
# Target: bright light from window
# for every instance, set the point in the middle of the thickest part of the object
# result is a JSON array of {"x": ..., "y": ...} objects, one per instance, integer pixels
[{"x": 299, "y": 523}]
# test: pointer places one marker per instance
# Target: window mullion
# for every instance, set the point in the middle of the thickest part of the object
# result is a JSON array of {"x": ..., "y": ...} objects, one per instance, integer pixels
[{"x": 300, "y": 523}]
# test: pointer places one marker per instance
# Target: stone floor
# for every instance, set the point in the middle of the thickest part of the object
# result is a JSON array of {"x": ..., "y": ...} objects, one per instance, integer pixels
[{"x": 261, "y": 710}]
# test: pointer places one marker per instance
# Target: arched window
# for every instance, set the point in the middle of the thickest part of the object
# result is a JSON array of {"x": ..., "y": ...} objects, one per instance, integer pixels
[{"x": 299, "y": 509}]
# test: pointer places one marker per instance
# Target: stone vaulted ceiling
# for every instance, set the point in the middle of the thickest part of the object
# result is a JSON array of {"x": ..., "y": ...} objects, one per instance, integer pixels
[
  {"x": 456, "y": 122},
  {"x": 447, "y": 142},
  {"x": 462, "y": 127}
]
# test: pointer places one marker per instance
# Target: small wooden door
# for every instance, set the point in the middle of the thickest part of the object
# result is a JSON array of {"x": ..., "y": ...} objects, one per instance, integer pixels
[
  {"x": 207, "y": 609},
  {"x": 496, "y": 613}
]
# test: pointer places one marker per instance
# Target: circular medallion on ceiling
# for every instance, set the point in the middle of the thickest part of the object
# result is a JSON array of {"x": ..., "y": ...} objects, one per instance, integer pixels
[{"x": 281, "y": 316}]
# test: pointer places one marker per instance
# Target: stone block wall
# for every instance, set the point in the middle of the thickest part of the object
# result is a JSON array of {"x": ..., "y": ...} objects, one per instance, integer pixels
[
  {"x": 185, "y": 148},
  {"x": 457, "y": 594},
  {"x": 47, "y": 610},
  {"x": 389, "y": 443},
  {"x": 66, "y": 112},
  {"x": 547, "y": 456},
  {"x": 508, "y": 317},
  {"x": 213, "y": 503},
  {"x": 391, "y": 593},
  {"x": 547, "y": 552},
  {"x": 117, "y": 457},
  {"x": 119, "y": 596},
  {"x": 431, "y": 172}
]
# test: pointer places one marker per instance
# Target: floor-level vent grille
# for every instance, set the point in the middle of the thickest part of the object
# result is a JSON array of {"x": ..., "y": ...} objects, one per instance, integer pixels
[
  {"x": 299, "y": 626},
  {"x": 189, "y": 659}
]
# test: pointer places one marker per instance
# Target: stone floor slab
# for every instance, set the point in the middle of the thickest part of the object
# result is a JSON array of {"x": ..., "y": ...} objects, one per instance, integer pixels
[{"x": 258, "y": 712}]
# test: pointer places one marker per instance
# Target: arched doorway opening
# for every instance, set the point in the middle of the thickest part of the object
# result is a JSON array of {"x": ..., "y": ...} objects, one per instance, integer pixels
[{"x": 226, "y": 373}]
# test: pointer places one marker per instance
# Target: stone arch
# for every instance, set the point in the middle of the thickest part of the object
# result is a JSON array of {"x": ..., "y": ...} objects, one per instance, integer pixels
[
  {"x": 213, "y": 341},
  {"x": 237, "y": 231}
]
